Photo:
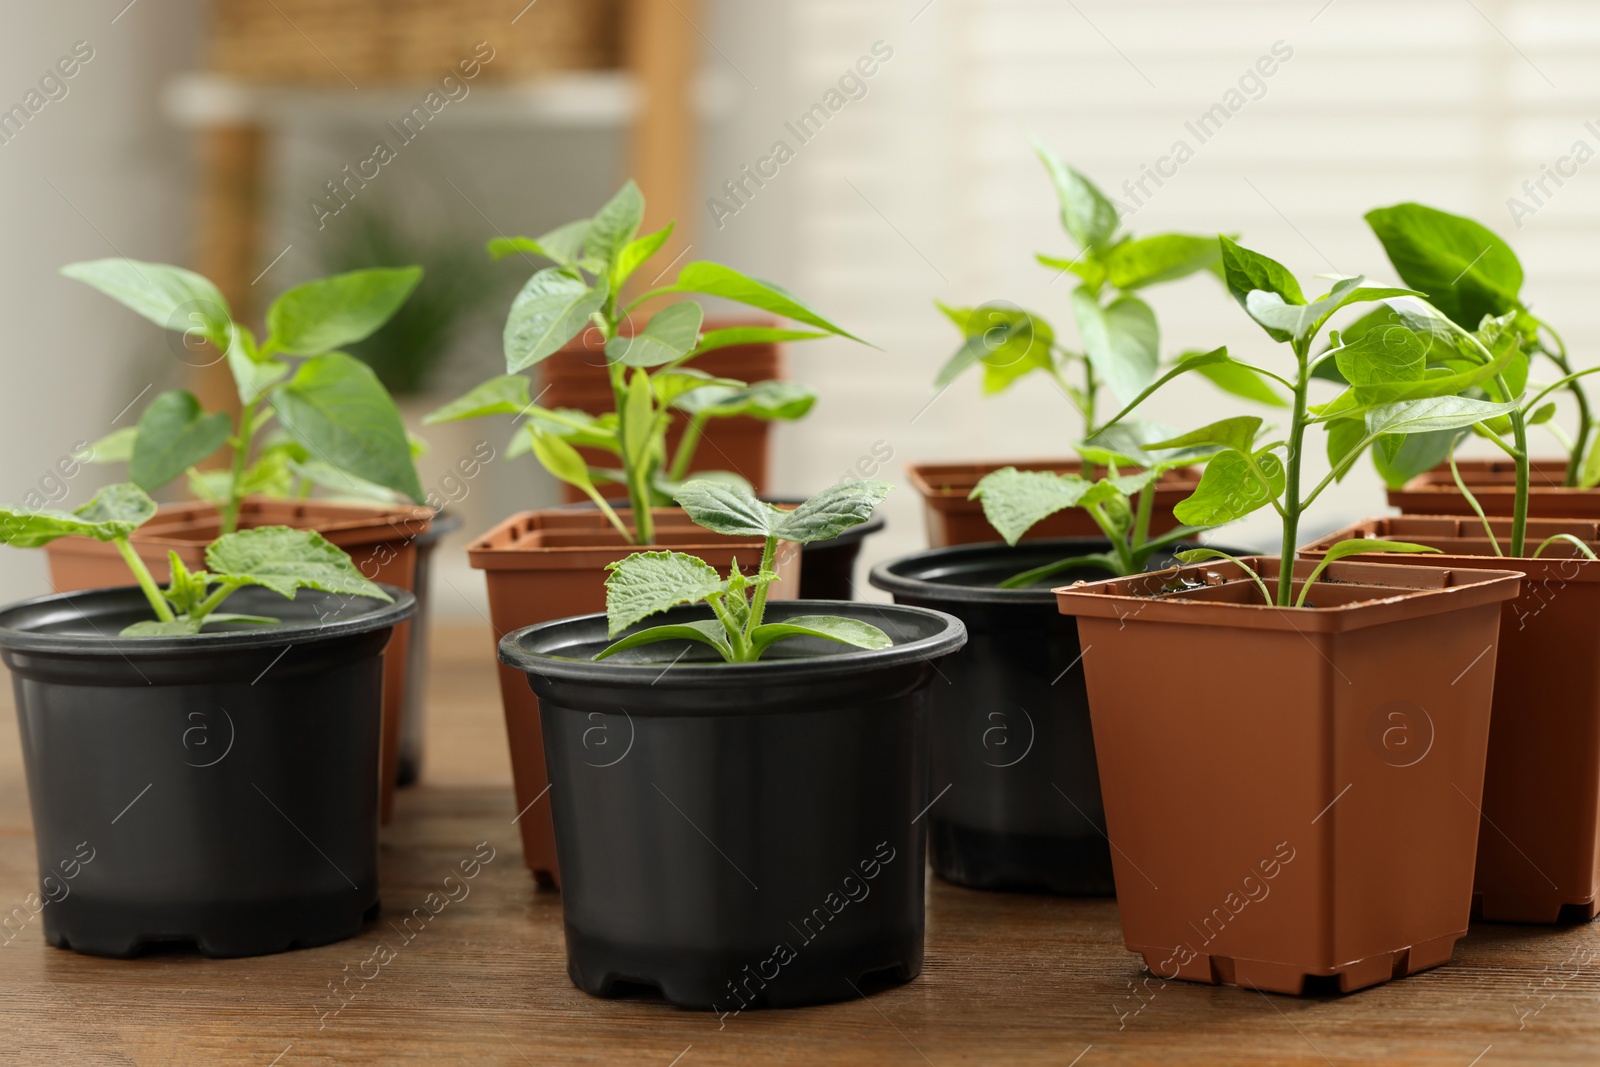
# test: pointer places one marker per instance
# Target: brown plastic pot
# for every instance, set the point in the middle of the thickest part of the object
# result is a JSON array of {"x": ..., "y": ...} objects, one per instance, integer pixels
[
  {"x": 551, "y": 564},
  {"x": 1539, "y": 846},
  {"x": 955, "y": 520},
  {"x": 1266, "y": 828},
  {"x": 1494, "y": 483},
  {"x": 381, "y": 542},
  {"x": 577, "y": 377}
]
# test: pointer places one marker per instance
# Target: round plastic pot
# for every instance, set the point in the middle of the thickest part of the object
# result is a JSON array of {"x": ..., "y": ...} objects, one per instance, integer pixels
[
  {"x": 413, "y": 710},
  {"x": 219, "y": 790},
  {"x": 551, "y": 564},
  {"x": 1494, "y": 483},
  {"x": 739, "y": 835},
  {"x": 955, "y": 519},
  {"x": 1011, "y": 751},
  {"x": 1539, "y": 843},
  {"x": 1266, "y": 830}
]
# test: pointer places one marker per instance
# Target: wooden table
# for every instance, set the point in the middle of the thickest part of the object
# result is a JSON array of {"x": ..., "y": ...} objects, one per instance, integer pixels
[{"x": 1008, "y": 979}]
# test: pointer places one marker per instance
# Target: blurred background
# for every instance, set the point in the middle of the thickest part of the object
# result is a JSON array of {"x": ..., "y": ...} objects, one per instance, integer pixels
[{"x": 207, "y": 133}]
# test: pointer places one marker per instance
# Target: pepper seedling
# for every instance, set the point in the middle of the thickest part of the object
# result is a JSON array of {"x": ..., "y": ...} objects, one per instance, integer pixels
[
  {"x": 1471, "y": 275},
  {"x": 1406, "y": 378},
  {"x": 647, "y": 583},
  {"x": 1120, "y": 337},
  {"x": 336, "y": 424},
  {"x": 277, "y": 557},
  {"x": 651, "y": 383}
]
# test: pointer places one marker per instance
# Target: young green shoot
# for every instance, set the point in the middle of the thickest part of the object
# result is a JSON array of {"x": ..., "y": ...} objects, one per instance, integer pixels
[
  {"x": 277, "y": 557},
  {"x": 651, "y": 385},
  {"x": 647, "y": 583},
  {"x": 336, "y": 425}
]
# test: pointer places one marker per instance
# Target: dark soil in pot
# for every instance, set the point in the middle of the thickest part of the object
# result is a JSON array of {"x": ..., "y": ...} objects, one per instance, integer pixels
[
  {"x": 1011, "y": 751},
  {"x": 219, "y": 790},
  {"x": 739, "y": 835}
]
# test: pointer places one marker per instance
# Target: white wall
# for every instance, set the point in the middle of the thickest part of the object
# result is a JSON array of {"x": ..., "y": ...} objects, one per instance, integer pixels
[{"x": 94, "y": 173}]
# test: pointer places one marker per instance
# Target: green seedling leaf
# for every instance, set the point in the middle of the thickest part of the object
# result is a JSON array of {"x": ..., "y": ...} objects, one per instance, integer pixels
[
  {"x": 1466, "y": 270},
  {"x": 118, "y": 506},
  {"x": 647, "y": 583},
  {"x": 1243, "y": 382},
  {"x": 1086, "y": 214},
  {"x": 337, "y": 410},
  {"x": 1384, "y": 356},
  {"x": 170, "y": 297},
  {"x": 1009, "y": 341},
  {"x": 1164, "y": 258},
  {"x": 252, "y": 375},
  {"x": 1542, "y": 414},
  {"x": 284, "y": 559},
  {"x": 769, "y": 400},
  {"x": 832, "y": 627},
  {"x": 669, "y": 336},
  {"x": 176, "y": 628},
  {"x": 614, "y": 226},
  {"x": 562, "y": 245},
  {"x": 552, "y": 308},
  {"x": 1245, "y": 272},
  {"x": 114, "y": 447},
  {"x": 1230, "y": 489},
  {"x": 728, "y": 509},
  {"x": 1354, "y": 546},
  {"x": 173, "y": 435},
  {"x": 329, "y": 313},
  {"x": 714, "y": 279},
  {"x": 1237, "y": 433},
  {"x": 1415, "y": 454},
  {"x": 637, "y": 421},
  {"x": 671, "y": 385},
  {"x": 635, "y": 253},
  {"x": 505, "y": 395},
  {"x": 1121, "y": 340},
  {"x": 708, "y": 632},
  {"x": 1434, "y": 413},
  {"x": 1301, "y": 321},
  {"x": 830, "y": 512},
  {"x": 1584, "y": 550},
  {"x": 1015, "y": 501},
  {"x": 1092, "y": 271},
  {"x": 712, "y": 340},
  {"x": 114, "y": 512}
]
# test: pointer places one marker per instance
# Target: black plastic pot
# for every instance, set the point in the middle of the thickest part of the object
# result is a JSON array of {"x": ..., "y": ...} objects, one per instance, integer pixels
[
  {"x": 413, "y": 712},
  {"x": 219, "y": 790},
  {"x": 739, "y": 835},
  {"x": 1011, "y": 751},
  {"x": 827, "y": 568}
]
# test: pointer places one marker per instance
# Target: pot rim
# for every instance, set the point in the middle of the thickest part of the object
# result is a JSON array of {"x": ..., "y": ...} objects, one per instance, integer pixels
[
  {"x": 1464, "y": 551},
  {"x": 13, "y": 639},
  {"x": 769, "y": 672},
  {"x": 1400, "y": 592},
  {"x": 886, "y": 575}
]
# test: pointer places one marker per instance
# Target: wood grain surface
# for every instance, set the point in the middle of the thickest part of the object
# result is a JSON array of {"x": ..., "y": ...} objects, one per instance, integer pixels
[{"x": 1008, "y": 979}]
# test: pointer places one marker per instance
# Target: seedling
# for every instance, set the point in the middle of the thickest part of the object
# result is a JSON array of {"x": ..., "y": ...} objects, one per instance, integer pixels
[
  {"x": 1121, "y": 340},
  {"x": 1474, "y": 278},
  {"x": 647, "y": 360},
  {"x": 336, "y": 425},
  {"x": 1406, "y": 378},
  {"x": 647, "y": 583},
  {"x": 277, "y": 557}
]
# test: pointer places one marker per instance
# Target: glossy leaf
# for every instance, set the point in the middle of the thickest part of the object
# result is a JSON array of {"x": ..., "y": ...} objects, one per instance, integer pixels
[
  {"x": 615, "y": 225},
  {"x": 1086, "y": 214},
  {"x": 563, "y": 245},
  {"x": 1245, "y": 272},
  {"x": 714, "y": 279},
  {"x": 505, "y": 395},
  {"x": 707, "y": 632},
  {"x": 170, "y": 297},
  {"x": 329, "y": 313},
  {"x": 670, "y": 335},
  {"x": 1415, "y": 454},
  {"x": 552, "y": 308},
  {"x": 637, "y": 252},
  {"x": 1229, "y": 489},
  {"x": 336, "y": 409},
  {"x": 1122, "y": 341},
  {"x": 712, "y": 340},
  {"x": 832, "y": 627},
  {"x": 1385, "y": 356},
  {"x": 1464, "y": 268},
  {"x": 284, "y": 559},
  {"x": 646, "y": 583},
  {"x": 1011, "y": 339},
  {"x": 674, "y": 385},
  {"x": 1435, "y": 413},
  {"x": 1164, "y": 258},
  {"x": 1242, "y": 382},
  {"x": 173, "y": 435},
  {"x": 1238, "y": 433}
]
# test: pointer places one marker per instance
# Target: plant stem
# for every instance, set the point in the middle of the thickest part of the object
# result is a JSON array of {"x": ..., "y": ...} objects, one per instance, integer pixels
[
  {"x": 1580, "y": 447},
  {"x": 758, "y": 603},
  {"x": 1291, "y": 493},
  {"x": 736, "y": 641},
  {"x": 1119, "y": 546},
  {"x": 686, "y": 447},
  {"x": 1519, "y": 513},
  {"x": 1142, "y": 513},
  {"x": 1089, "y": 387},
  {"x": 1027, "y": 578},
  {"x": 141, "y": 573},
  {"x": 214, "y": 601},
  {"x": 241, "y": 450}
]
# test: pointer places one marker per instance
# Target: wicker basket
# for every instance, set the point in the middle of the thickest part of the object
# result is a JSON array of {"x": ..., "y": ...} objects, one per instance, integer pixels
[{"x": 365, "y": 42}]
